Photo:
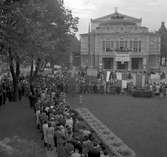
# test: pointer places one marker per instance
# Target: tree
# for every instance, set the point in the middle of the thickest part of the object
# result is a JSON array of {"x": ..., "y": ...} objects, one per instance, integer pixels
[
  {"x": 34, "y": 30},
  {"x": 11, "y": 38},
  {"x": 49, "y": 27}
]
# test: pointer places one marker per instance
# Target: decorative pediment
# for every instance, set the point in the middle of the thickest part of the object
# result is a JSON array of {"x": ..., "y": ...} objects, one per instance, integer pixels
[{"x": 117, "y": 16}]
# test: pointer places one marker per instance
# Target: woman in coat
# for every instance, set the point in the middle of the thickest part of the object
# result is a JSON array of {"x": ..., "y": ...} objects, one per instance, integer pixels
[{"x": 50, "y": 137}]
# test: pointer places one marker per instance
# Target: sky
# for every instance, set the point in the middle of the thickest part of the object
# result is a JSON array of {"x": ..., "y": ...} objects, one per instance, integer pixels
[{"x": 152, "y": 12}]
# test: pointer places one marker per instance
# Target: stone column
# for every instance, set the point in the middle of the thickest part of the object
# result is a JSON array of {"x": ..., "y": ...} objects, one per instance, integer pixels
[
  {"x": 144, "y": 63},
  {"x": 114, "y": 64},
  {"x": 130, "y": 65}
]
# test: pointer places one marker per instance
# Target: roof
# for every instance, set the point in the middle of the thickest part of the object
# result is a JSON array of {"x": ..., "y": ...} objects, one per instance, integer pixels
[
  {"x": 117, "y": 22},
  {"x": 117, "y": 16}
]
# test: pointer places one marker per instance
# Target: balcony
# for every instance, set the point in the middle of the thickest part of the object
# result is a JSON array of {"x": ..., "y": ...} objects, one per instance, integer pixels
[{"x": 123, "y": 50}]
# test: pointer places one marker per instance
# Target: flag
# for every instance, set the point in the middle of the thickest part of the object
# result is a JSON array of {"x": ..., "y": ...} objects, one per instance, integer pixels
[{"x": 111, "y": 76}]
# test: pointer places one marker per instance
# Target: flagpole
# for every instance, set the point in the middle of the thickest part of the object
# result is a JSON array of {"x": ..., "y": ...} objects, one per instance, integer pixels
[{"x": 89, "y": 56}]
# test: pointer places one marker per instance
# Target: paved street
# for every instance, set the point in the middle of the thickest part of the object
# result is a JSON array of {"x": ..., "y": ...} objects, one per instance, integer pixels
[
  {"x": 140, "y": 122},
  {"x": 18, "y": 133}
]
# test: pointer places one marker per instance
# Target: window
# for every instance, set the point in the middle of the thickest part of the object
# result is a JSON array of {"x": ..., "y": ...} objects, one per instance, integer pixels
[
  {"x": 117, "y": 45},
  {"x": 107, "y": 45},
  {"x": 108, "y": 63},
  {"x": 104, "y": 45},
  {"x": 139, "y": 45},
  {"x": 131, "y": 45},
  {"x": 121, "y": 45},
  {"x": 137, "y": 63},
  {"x": 111, "y": 44},
  {"x": 163, "y": 61},
  {"x": 135, "y": 46},
  {"x": 126, "y": 44}
]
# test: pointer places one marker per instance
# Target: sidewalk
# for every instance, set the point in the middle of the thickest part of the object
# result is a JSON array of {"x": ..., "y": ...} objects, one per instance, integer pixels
[{"x": 18, "y": 131}]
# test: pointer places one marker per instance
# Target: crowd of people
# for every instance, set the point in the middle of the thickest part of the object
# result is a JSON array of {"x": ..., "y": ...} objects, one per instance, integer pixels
[
  {"x": 99, "y": 85},
  {"x": 158, "y": 88},
  {"x": 60, "y": 126},
  {"x": 7, "y": 90},
  {"x": 96, "y": 85}
]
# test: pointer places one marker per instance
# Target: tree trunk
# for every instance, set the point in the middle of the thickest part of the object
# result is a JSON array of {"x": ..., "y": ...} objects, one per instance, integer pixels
[
  {"x": 33, "y": 74},
  {"x": 15, "y": 89},
  {"x": 31, "y": 71},
  {"x": 15, "y": 75},
  {"x": 37, "y": 67}
]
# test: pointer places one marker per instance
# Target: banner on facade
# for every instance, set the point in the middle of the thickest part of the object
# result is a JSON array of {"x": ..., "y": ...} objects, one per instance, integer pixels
[
  {"x": 124, "y": 84},
  {"x": 155, "y": 77},
  {"x": 108, "y": 76},
  {"x": 119, "y": 75},
  {"x": 92, "y": 72},
  {"x": 122, "y": 58}
]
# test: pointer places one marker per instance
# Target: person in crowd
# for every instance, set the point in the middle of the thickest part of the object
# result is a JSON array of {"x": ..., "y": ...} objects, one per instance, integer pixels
[
  {"x": 94, "y": 151},
  {"x": 157, "y": 92},
  {"x": 50, "y": 137},
  {"x": 1, "y": 96},
  {"x": 4, "y": 93},
  {"x": 60, "y": 142},
  {"x": 76, "y": 153},
  {"x": 69, "y": 149},
  {"x": 86, "y": 145},
  {"x": 20, "y": 91},
  {"x": 37, "y": 118},
  {"x": 44, "y": 133},
  {"x": 9, "y": 93},
  {"x": 104, "y": 153}
]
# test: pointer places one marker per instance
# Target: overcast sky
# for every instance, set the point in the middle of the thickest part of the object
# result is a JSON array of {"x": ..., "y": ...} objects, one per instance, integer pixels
[{"x": 152, "y": 12}]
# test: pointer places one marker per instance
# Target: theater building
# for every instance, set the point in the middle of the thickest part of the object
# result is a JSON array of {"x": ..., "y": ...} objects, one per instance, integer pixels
[{"x": 119, "y": 42}]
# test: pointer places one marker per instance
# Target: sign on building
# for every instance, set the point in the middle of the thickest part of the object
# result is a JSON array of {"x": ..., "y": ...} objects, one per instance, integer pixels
[
  {"x": 92, "y": 72},
  {"x": 122, "y": 58}
]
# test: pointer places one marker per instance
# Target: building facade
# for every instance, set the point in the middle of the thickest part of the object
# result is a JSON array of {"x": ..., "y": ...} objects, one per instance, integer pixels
[
  {"x": 120, "y": 43},
  {"x": 163, "y": 49}
]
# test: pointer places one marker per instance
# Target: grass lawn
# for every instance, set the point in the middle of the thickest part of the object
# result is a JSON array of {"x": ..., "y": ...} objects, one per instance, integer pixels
[{"x": 140, "y": 122}]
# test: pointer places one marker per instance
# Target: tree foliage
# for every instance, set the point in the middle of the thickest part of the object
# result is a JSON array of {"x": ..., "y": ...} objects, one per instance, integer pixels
[{"x": 34, "y": 30}]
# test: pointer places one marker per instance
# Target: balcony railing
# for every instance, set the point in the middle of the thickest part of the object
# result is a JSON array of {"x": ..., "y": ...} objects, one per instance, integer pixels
[{"x": 123, "y": 50}]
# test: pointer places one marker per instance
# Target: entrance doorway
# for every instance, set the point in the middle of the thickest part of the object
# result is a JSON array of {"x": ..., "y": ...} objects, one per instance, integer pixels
[
  {"x": 108, "y": 63},
  {"x": 137, "y": 63},
  {"x": 122, "y": 65}
]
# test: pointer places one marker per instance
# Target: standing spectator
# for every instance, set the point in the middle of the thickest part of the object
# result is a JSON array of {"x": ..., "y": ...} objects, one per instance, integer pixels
[
  {"x": 50, "y": 137},
  {"x": 44, "y": 133},
  {"x": 164, "y": 90},
  {"x": 76, "y": 153},
  {"x": 1, "y": 97},
  {"x": 60, "y": 143},
  {"x": 95, "y": 151},
  {"x": 19, "y": 91},
  {"x": 69, "y": 149},
  {"x": 37, "y": 118},
  {"x": 104, "y": 154}
]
